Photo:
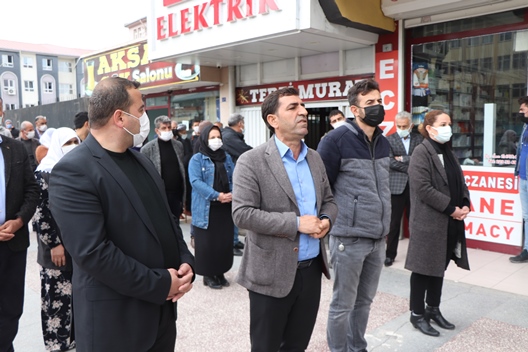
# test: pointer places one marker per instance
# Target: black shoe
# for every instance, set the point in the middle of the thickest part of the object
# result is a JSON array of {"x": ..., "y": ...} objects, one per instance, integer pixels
[
  {"x": 212, "y": 282},
  {"x": 221, "y": 280},
  {"x": 239, "y": 245},
  {"x": 434, "y": 314},
  {"x": 388, "y": 261},
  {"x": 521, "y": 258},
  {"x": 420, "y": 323},
  {"x": 237, "y": 252}
]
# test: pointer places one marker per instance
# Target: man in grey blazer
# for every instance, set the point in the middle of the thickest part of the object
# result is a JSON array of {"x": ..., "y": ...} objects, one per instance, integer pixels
[
  {"x": 281, "y": 195},
  {"x": 166, "y": 154},
  {"x": 402, "y": 144}
]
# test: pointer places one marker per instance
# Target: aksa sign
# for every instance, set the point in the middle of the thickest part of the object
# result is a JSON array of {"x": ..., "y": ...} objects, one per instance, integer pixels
[
  {"x": 178, "y": 27},
  {"x": 132, "y": 63}
]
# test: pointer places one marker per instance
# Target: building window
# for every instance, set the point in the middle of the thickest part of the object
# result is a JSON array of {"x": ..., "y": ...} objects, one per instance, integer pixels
[
  {"x": 65, "y": 66},
  {"x": 503, "y": 63},
  {"x": 505, "y": 37},
  {"x": 486, "y": 63},
  {"x": 27, "y": 62},
  {"x": 10, "y": 106},
  {"x": 7, "y": 60},
  {"x": 519, "y": 60},
  {"x": 28, "y": 105},
  {"x": 47, "y": 64},
  {"x": 65, "y": 88},
  {"x": 28, "y": 86},
  {"x": 9, "y": 84},
  {"x": 48, "y": 87}
]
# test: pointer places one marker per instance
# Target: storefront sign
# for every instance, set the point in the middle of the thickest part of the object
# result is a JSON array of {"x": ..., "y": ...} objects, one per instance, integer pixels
[
  {"x": 132, "y": 63},
  {"x": 334, "y": 88},
  {"x": 496, "y": 214},
  {"x": 178, "y": 27}
]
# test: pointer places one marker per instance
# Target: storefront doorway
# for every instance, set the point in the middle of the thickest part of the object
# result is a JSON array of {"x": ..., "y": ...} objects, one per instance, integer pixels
[{"x": 318, "y": 124}]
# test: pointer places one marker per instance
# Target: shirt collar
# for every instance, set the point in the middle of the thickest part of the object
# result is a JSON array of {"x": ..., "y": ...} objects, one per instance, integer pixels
[{"x": 284, "y": 149}]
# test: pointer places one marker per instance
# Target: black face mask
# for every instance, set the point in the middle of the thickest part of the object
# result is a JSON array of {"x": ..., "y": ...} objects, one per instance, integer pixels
[
  {"x": 522, "y": 117},
  {"x": 175, "y": 132},
  {"x": 374, "y": 115}
]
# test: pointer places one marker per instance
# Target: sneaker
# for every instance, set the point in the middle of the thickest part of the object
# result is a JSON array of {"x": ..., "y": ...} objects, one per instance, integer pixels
[{"x": 521, "y": 258}]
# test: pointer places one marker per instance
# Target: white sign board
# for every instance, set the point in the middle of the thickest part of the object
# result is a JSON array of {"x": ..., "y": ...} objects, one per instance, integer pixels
[
  {"x": 178, "y": 27},
  {"x": 496, "y": 214}
]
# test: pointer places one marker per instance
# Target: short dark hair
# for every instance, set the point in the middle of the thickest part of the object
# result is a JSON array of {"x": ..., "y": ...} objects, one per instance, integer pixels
[
  {"x": 108, "y": 96},
  {"x": 362, "y": 87},
  {"x": 334, "y": 113},
  {"x": 80, "y": 119},
  {"x": 271, "y": 103},
  {"x": 523, "y": 100},
  {"x": 429, "y": 119}
]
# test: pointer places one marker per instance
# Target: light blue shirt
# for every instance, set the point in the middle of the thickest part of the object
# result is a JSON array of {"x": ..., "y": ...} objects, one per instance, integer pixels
[
  {"x": 2, "y": 187},
  {"x": 303, "y": 186}
]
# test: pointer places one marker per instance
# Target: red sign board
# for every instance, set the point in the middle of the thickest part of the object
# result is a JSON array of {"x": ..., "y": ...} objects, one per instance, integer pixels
[{"x": 335, "y": 88}]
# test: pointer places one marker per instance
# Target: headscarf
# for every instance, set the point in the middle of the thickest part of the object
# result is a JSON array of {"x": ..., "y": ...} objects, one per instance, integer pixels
[
  {"x": 59, "y": 137},
  {"x": 221, "y": 183},
  {"x": 45, "y": 139}
]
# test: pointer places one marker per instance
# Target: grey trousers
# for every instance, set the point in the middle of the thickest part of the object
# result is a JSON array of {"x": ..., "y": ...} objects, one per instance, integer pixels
[{"x": 357, "y": 264}]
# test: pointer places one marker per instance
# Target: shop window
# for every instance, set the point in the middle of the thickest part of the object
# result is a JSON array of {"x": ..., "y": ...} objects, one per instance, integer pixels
[
  {"x": 461, "y": 79},
  {"x": 157, "y": 101}
]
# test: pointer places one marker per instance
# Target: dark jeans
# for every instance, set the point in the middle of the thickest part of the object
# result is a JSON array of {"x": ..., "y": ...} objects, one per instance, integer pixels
[
  {"x": 399, "y": 203},
  {"x": 286, "y": 324},
  {"x": 422, "y": 285},
  {"x": 12, "y": 280}
]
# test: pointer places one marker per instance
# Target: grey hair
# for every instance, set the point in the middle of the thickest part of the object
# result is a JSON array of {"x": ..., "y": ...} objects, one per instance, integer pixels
[
  {"x": 161, "y": 120},
  {"x": 234, "y": 119},
  {"x": 25, "y": 124},
  {"x": 404, "y": 115}
]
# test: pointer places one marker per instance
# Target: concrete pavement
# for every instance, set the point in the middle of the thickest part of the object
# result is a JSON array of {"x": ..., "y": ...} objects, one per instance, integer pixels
[{"x": 486, "y": 319}]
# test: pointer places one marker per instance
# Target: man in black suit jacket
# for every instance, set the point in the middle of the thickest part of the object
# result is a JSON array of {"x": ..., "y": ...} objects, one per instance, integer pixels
[
  {"x": 18, "y": 205},
  {"x": 402, "y": 144},
  {"x": 131, "y": 263}
]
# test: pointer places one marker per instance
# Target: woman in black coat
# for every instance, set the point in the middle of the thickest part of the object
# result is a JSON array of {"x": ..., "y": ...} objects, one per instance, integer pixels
[{"x": 440, "y": 203}]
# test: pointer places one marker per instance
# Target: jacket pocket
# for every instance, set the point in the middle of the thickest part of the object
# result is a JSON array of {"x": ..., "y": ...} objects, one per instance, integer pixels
[
  {"x": 354, "y": 210},
  {"x": 261, "y": 268}
]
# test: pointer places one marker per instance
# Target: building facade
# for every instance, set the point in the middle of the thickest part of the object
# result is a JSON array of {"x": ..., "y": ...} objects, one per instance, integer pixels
[{"x": 38, "y": 74}]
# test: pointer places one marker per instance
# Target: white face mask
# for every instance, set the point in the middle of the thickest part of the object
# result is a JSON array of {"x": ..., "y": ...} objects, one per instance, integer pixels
[
  {"x": 31, "y": 134},
  {"x": 165, "y": 135},
  {"x": 43, "y": 128},
  {"x": 68, "y": 148},
  {"x": 403, "y": 133},
  {"x": 338, "y": 124},
  {"x": 196, "y": 129},
  {"x": 215, "y": 144},
  {"x": 183, "y": 136},
  {"x": 144, "y": 129},
  {"x": 444, "y": 134}
]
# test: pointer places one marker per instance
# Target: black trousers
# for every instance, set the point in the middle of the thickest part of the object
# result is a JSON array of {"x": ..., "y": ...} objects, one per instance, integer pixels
[
  {"x": 286, "y": 324},
  {"x": 166, "y": 339},
  {"x": 422, "y": 285},
  {"x": 12, "y": 280},
  {"x": 399, "y": 203}
]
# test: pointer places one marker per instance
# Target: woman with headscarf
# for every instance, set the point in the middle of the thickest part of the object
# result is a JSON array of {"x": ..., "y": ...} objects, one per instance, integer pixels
[
  {"x": 440, "y": 203},
  {"x": 55, "y": 263},
  {"x": 45, "y": 141},
  {"x": 211, "y": 176}
]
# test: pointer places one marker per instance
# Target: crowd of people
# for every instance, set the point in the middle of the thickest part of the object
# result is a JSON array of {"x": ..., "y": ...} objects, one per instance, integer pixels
[{"x": 129, "y": 257}]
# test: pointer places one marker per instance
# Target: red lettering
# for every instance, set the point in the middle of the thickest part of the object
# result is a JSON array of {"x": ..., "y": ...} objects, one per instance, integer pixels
[
  {"x": 489, "y": 206},
  {"x": 249, "y": 8},
  {"x": 508, "y": 233},
  {"x": 161, "y": 28},
  {"x": 480, "y": 230},
  {"x": 172, "y": 25},
  {"x": 471, "y": 207},
  {"x": 492, "y": 233},
  {"x": 233, "y": 9},
  {"x": 507, "y": 207},
  {"x": 266, "y": 5},
  {"x": 199, "y": 19},
  {"x": 167, "y": 3},
  {"x": 184, "y": 14},
  {"x": 216, "y": 13},
  {"x": 469, "y": 227}
]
